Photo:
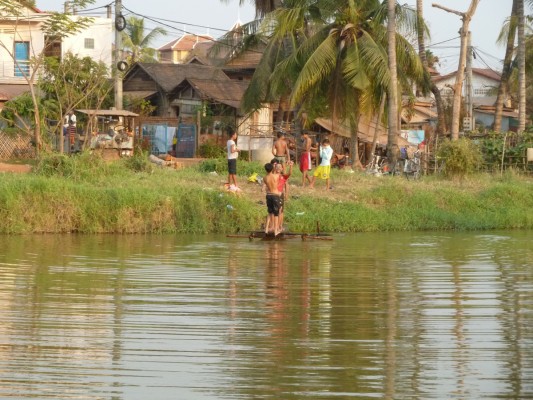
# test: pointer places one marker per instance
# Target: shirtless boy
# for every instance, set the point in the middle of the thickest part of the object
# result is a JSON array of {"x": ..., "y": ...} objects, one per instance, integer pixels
[
  {"x": 280, "y": 149},
  {"x": 273, "y": 199}
]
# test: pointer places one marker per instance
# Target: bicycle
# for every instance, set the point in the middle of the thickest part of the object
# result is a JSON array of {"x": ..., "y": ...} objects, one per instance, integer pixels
[
  {"x": 411, "y": 168},
  {"x": 376, "y": 166}
]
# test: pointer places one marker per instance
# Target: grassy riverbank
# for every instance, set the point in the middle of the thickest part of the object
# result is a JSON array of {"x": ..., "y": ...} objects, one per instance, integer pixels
[{"x": 87, "y": 195}]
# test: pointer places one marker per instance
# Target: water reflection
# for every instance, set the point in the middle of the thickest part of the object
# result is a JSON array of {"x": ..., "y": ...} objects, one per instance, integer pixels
[{"x": 407, "y": 315}]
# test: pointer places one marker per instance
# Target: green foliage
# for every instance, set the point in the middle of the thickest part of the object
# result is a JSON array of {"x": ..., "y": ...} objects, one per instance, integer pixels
[
  {"x": 74, "y": 82},
  {"x": 461, "y": 157},
  {"x": 136, "y": 41},
  {"x": 89, "y": 195},
  {"x": 220, "y": 166},
  {"x": 139, "y": 162},
  {"x": 139, "y": 106},
  {"x": 513, "y": 150},
  {"x": 211, "y": 150},
  {"x": 75, "y": 168}
]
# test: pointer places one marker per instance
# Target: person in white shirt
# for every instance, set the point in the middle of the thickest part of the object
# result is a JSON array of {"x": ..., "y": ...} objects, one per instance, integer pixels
[
  {"x": 324, "y": 169},
  {"x": 233, "y": 153}
]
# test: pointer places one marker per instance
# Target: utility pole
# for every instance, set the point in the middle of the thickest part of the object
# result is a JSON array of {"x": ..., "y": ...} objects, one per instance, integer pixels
[
  {"x": 118, "y": 56},
  {"x": 466, "y": 17},
  {"x": 468, "y": 123}
]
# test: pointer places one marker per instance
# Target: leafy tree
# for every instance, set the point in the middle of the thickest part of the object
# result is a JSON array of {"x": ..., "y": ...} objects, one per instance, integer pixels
[
  {"x": 509, "y": 36},
  {"x": 59, "y": 25},
  {"x": 521, "y": 58},
  {"x": 344, "y": 59},
  {"x": 136, "y": 42},
  {"x": 73, "y": 83}
]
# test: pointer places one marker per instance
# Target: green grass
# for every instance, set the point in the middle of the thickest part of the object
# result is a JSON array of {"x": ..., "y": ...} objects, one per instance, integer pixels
[{"x": 87, "y": 195}]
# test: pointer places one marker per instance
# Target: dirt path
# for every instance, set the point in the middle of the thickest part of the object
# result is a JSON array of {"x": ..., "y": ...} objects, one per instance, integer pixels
[{"x": 16, "y": 168}]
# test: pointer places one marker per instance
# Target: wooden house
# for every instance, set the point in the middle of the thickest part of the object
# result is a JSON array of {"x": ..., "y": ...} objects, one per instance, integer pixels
[{"x": 158, "y": 83}]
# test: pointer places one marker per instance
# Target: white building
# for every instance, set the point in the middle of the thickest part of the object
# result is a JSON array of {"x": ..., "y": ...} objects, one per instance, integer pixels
[
  {"x": 484, "y": 83},
  {"x": 22, "y": 38}
]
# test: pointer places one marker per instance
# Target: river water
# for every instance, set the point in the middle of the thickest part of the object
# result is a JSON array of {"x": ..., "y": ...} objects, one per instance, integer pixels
[{"x": 384, "y": 315}]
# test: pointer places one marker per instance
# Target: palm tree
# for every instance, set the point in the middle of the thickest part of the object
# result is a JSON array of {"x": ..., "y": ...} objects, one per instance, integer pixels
[
  {"x": 137, "y": 43},
  {"x": 392, "y": 142},
  {"x": 507, "y": 67},
  {"x": 263, "y": 7},
  {"x": 344, "y": 60},
  {"x": 521, "y": 66}
]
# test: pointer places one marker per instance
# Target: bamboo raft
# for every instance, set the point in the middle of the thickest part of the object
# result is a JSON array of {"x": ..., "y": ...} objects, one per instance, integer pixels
[{"x": 282, "y": 236}]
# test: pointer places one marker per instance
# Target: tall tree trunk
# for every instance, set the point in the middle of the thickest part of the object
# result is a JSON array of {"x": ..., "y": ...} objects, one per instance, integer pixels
[
  {"x": 378, "y": 118},
  {"x": 506, "y": 71},
  {"x": 441, "y": 120},
  {"x": 354, "y": 128},
  {"x": 458, "y": 86},
  {"x": 521, "y": 68},
  {"x": 392, "y": 142}
]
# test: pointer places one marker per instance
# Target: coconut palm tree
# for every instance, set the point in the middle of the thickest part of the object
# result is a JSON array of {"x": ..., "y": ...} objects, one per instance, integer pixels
[
  {"x": 392, "y": 143},
  {"x": 330, "y": 57},
  {"x": 510, "y": 36},
  {"x": 136, "y": 41},
  {"x": 344, "y": 60},
  {"x": 262, "y": 7},
  {"x": 521, "y": 66}
]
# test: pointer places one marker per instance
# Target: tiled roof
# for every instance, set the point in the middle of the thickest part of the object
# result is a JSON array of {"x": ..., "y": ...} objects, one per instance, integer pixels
[
  {"x": 9, "y": 91},
  {"x": 488, "y": 73},
  {"x": 186, "y": 42}
]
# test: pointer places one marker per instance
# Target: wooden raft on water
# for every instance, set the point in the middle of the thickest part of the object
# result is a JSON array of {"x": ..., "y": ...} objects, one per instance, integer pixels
[{"x": 282, "y": 236}]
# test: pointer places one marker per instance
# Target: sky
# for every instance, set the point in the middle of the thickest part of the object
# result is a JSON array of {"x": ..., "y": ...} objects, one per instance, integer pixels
[{"x": 214, "y": 17}]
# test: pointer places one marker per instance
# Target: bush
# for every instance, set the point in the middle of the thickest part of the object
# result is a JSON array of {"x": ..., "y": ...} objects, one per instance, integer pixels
[
  {"x": 461, "y": 157},
  {"x": 139, "y": 162},
  {"x": 211, "y": 150},
  {"x": 75, "y": 167},
  {"x": 220, "y": 166}
]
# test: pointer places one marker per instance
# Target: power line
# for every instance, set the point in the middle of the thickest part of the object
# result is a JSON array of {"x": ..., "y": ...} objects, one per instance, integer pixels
[
  {"x": 444, "y": 41},
  {"x": 157, "y": 21}
]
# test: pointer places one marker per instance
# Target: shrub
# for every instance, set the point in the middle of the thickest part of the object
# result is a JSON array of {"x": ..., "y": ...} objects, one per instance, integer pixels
[
  {"x": 461, "y": 157},
  {"x": 139, "y": 162},
  {"x": 211, "y": 150}
]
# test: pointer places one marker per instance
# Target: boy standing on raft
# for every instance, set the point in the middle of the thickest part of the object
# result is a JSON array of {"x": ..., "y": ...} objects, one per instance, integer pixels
[{"x": 273, "y": 199}]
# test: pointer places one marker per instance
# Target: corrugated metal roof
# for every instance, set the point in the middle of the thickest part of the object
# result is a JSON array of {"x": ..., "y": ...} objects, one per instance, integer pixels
[
  {"x": 109, "y": 113},
  {"x": 365, "y": 131}
]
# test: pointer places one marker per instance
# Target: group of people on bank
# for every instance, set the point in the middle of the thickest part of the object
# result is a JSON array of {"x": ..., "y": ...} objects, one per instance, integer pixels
[{"x": 279, "y": 170}]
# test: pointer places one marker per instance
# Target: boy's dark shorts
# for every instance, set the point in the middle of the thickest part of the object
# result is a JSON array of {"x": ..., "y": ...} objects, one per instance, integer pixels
[
  {"x": 273, "y": 204},
  {"x": 232, "y": 166}
]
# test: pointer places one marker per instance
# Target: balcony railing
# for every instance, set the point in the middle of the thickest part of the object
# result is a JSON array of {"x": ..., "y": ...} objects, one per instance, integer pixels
[{"x": 8, "y": 69}]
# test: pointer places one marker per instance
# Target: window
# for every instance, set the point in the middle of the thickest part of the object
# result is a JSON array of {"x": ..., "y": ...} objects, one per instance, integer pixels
[
  {"x": 89, "y": 43},
  {"x": 22, "y": 58},
  {"x": 481, "y": 91},
  {"x": 52, "y": 46}
]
